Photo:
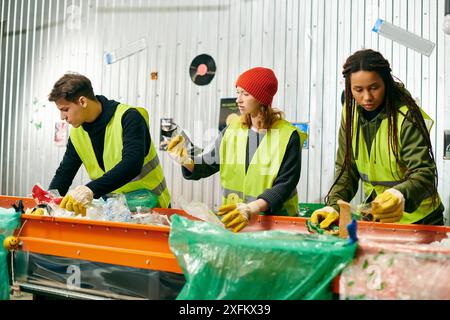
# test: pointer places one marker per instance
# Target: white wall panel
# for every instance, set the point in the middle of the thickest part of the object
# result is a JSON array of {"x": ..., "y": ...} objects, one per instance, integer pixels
[
  {"x": 331, "y": 101},
  {"x": 306, "y": 42},
  {"x": 303, "y": 88},
  {"x": 316, "y": 97}
]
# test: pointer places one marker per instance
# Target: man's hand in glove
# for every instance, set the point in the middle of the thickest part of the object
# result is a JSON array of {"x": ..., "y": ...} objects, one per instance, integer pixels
[
  {"x": 388, "y": 207},
  {"x": 77, "y": 199},
  {"x": 325, "y": 216},
  {"x": 237, "y": 216},
  {"x": 178, "y": 151}
]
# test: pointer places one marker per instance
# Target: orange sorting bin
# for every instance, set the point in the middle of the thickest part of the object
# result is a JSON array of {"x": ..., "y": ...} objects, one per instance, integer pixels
[{"x": 146, "y": 247}]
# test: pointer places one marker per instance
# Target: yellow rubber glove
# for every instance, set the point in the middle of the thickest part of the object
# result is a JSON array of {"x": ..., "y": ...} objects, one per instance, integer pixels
[
  {"x": 38, "y": 211},
  {"x": 178, "y": 151},
  {"x": 326, "y": 216},
  {"x": 237, "y": 216},
  {"x": 389, "y": 206},
  {"x": 77, "y": 199}
]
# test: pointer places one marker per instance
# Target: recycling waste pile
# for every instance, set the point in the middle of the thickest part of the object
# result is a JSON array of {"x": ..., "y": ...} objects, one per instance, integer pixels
[
  {"x": 118, "y": 250},
  {"x": 126, "y": 250},
  {"x": 133, "y": 207}
]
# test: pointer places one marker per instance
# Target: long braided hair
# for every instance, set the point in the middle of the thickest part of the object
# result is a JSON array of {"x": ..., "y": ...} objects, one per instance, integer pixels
[{"x": 395, "y": 95}]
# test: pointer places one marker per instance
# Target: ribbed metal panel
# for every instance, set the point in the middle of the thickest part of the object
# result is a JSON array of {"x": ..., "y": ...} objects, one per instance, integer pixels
[{"x": 304, "y": 41}]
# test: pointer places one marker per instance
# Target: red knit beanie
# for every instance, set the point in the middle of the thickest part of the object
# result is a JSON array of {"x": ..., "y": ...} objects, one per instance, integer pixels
[{"x": 260, "y": 82}]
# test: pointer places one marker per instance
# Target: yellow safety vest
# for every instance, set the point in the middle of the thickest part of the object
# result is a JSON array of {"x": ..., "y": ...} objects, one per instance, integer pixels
[
  {"x": 380, "y": 171},
  {"x": 151, "y": 176},
  {"x": 241, "y": 186}
]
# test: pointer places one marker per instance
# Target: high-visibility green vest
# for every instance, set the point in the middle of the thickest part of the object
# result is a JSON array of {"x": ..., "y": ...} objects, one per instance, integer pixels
[
  {"x": 151, "y": 176},
  {"x": 241, "y": 186},
  {"x": 380, "y": 171}
]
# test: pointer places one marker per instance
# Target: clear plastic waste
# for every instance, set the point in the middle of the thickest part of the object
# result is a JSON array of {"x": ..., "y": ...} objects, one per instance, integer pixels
[
  {"x": 404, "y": 37},
  {"x": 95, "y": 210},
  {"x": 116, "y": 209},
  {"x": 200, "y": 211},
  {"x": 150, "y": 218},
  {"x": 169, "y": 130},
  {"x": 362, "y": 211}
]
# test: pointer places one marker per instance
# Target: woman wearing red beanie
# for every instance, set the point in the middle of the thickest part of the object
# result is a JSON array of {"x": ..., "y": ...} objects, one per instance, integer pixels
[{"x": 258, "y": 155}]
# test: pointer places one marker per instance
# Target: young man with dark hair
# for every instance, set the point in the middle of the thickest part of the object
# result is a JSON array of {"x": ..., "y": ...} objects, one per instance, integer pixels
[{"x": 111, "y": 139}]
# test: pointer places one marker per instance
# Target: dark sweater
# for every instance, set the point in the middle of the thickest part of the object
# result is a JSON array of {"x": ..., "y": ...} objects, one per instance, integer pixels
[
  {"x": 283, "y": 185},
  {"x": 136, "y": 144}
]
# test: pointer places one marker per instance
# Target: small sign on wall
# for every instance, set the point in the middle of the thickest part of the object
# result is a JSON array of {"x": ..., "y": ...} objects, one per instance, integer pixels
[
  {"x": 447, "y": 145},
  {"x": 304, "y": 127},
  {"x": 228, "y": 111},
  {"x": 61, "y": 133}
]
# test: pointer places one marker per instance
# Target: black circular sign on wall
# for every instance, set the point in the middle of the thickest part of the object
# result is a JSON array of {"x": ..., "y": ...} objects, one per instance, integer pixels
[{"x": 202, "y": 69}]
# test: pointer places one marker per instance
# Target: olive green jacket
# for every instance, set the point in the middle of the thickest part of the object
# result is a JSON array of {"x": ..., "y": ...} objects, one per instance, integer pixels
[{"x": 413, "y": 155}]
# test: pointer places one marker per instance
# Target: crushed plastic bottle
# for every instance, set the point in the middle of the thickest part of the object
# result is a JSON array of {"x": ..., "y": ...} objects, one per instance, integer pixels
[
  {"x": 116, "y": 209},
  {"x": 95, "y": 210}
]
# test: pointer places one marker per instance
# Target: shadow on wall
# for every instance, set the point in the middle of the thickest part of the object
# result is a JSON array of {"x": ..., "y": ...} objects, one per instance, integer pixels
[
  {"x": 147, "y": 9},
  {"x": 174, "y": 8},
  {"x": 38, "y": 28}
]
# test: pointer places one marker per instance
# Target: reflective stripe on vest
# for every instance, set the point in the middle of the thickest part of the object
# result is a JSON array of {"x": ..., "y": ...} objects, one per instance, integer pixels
[
  {"x": 151, "y": 176},
  {"x": 241, "y": 186},
  {"x": 380, "y": 170},
  {"x": 227, "y": 193},
  {"x": 390, "y": 184}
]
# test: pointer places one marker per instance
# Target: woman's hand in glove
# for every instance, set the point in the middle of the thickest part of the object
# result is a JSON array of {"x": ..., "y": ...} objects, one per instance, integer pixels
[
  {"x": 237, "y": 216},
  {"x": 325, "y": 216},
  {"x": 389, "y": 206}
]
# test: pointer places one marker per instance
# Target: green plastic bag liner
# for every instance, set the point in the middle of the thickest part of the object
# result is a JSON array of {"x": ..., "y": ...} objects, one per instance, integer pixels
[
  {"x": 220, "y": 264},
  {"x": 9, "y": 220}
]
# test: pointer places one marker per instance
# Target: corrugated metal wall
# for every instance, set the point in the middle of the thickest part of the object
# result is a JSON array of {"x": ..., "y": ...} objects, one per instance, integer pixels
[{"x": 304, "y": 41}]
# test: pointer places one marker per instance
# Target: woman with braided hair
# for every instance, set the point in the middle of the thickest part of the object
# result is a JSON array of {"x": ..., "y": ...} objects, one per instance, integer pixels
[{"x": 384, "y": 140}]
